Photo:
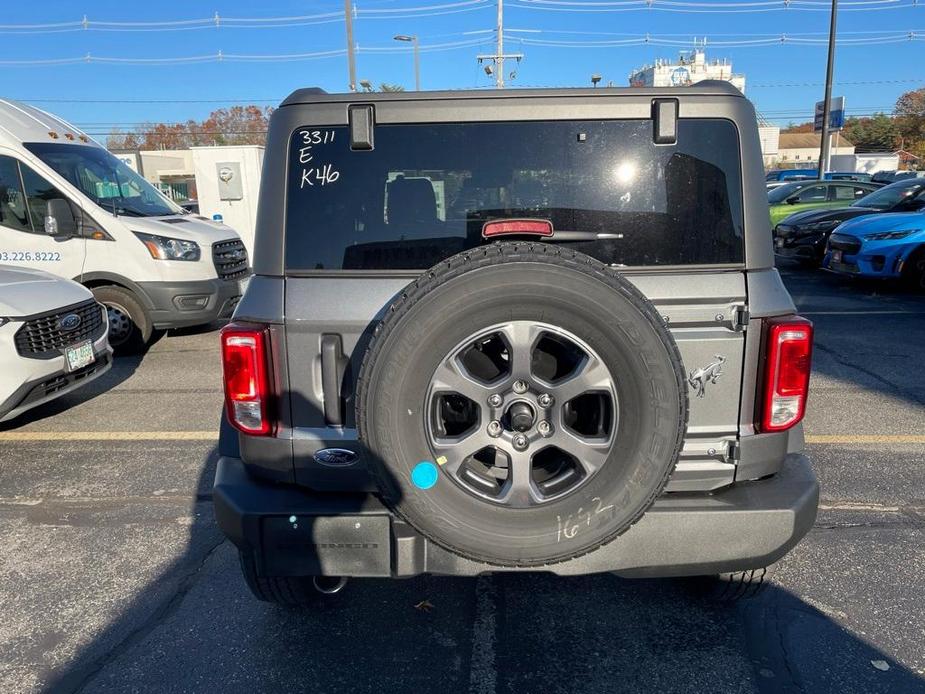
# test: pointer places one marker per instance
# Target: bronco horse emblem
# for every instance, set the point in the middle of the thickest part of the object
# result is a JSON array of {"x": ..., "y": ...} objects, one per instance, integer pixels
[{"x": 698, "y": 378}]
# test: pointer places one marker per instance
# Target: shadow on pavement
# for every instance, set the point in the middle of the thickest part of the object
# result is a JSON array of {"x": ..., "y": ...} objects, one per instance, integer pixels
[{"x": 196, "y": 628}]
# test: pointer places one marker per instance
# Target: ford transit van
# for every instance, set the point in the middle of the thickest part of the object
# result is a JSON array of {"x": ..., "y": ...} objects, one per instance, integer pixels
[{"x": 71, "y": 208}]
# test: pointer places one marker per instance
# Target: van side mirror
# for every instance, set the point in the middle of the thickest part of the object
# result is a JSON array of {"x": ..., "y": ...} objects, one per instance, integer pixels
[{"x": 59, "y": 219}]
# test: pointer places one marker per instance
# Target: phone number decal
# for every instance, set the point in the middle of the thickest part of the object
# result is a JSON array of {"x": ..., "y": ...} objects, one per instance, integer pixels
[{"x": 29, "y": 256}]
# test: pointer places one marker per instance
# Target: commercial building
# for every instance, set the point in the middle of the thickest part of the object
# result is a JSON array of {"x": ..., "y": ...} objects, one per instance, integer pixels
[
  {"x": 802, "y": 149},
  {"x": 690, "y": 67}
]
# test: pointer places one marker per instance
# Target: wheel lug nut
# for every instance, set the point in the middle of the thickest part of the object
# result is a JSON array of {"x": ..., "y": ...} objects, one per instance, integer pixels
[
  {"x": 545, "y": 400},
  {"x": 520, "y": 442},
  {"x": 494, "y": 428},
  {"x": 544, "y": 428},
  {"x": 495, "y": 400},
  {"x": 520, "y": 387}
]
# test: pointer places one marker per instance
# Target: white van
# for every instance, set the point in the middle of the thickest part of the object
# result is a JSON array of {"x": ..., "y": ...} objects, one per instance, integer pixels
[{"x": 70, "y": 207}]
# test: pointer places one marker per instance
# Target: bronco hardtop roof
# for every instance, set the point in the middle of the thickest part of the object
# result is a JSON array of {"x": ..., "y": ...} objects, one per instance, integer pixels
[{"x": 315, "y": 95}]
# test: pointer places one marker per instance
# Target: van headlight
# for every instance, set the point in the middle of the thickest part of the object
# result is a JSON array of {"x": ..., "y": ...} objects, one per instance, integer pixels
[
  {"x": 889, "y": 235},
  {"x": 164, "y": 248}
]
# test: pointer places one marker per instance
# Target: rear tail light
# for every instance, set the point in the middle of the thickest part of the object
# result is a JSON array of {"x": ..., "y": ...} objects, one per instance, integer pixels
[
  {"x": 247, "y": 378},
  {"x": 788, "y": 351},
  {"x": 511, "y": 227}
]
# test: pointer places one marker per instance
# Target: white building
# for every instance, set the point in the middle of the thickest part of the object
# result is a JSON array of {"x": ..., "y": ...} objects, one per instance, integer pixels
[
  {"x": 690, "y": 67},
  {"x": 803, "y": 149}
]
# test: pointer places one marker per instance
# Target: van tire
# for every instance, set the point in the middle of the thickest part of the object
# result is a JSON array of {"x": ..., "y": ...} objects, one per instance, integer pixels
[
  {"x": 121, "y": 305},
  {"x": 528, "y": 283}
]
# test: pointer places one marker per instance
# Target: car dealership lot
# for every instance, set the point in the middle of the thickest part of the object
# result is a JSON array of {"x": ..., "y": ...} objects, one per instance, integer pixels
[{"x": 113, "y": 576}]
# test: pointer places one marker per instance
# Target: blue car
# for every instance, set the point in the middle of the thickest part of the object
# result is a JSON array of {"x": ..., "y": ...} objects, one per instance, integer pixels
[{"x": 880, "y": 245}]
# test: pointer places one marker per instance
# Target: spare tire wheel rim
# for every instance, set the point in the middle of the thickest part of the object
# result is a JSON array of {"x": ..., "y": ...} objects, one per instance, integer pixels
[{"x": 521, "y": 413}]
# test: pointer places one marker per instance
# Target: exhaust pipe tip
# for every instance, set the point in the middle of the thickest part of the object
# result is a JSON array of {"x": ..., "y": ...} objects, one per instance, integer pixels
[{"x": 329, "y": 585}]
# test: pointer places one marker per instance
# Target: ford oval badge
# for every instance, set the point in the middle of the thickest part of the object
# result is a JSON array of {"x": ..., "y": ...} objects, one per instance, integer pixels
[
  {"x": 336, "y": 457},
  {"x": 69, "y": 323}
]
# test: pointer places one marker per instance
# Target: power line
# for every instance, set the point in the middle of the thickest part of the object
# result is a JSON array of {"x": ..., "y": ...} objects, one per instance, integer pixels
[
  {"x": 217, "y": 21},
  {"x": 682, "y": 6},
  {"x": 767, "y": 40}
]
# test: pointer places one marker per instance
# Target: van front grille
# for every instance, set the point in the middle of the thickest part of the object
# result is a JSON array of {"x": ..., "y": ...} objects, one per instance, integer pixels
[
  {"x": 44, "y": 336},
  {"x": 230, "y": 258}
]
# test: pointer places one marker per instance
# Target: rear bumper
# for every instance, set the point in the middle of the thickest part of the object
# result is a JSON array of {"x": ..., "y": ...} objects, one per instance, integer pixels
[
  {"x": 183, "y": 304},
  {"x": 292, "y": 532}
]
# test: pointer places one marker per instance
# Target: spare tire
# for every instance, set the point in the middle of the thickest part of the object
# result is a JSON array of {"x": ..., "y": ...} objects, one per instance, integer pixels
[{"x": 522, "y": 404}]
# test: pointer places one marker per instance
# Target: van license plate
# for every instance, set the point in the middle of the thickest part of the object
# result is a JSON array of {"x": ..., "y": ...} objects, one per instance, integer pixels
[
  {"x": 836, "y": 256},
  {"x": 79, "y": 355}
]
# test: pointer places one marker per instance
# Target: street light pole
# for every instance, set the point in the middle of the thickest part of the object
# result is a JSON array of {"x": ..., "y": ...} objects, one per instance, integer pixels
[
  {"x": 417, "y": 57},
  {"x": 827, "y": 104}
]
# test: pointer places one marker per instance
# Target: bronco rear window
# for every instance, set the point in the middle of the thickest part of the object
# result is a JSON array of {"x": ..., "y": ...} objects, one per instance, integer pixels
[{"x": 425, "y": 191}]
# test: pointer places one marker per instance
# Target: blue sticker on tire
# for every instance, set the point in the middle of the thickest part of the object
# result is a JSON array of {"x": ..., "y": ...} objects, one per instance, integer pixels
[{"x": 424, "y": 475}]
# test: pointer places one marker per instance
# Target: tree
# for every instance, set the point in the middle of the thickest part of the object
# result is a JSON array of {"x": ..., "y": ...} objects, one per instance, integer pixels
[
  {"x": 910, "y": 121},
  {"x": 872, "y": 134},
  {"x": 237, "y": 125},
  {"x": 385, "y": 87},
  {"x": 118, "y": 140},
  {"x": 798, "y": 128}
]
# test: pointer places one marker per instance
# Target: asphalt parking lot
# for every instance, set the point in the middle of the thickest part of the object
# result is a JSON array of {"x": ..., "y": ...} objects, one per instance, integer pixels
[{"x": 113, "y": 576}]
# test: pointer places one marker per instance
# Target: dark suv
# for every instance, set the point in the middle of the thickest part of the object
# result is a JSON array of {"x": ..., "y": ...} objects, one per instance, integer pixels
[{"x": 513, "y": 331}]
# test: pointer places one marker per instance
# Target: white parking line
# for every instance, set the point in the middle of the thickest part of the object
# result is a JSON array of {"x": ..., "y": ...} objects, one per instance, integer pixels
[{"x": 483, "y": 673}]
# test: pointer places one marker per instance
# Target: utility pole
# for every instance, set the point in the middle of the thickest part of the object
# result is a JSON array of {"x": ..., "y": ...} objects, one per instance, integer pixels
[
  {"x": 499, "y": 57},
  {"x": 499, "y": 61},
  {"x": 351, "y": 56},
  {"x": 827, "y": 104}
]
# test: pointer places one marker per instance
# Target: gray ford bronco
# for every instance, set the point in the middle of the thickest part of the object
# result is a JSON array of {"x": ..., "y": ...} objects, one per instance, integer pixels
[{"x": 513, "y": 331}]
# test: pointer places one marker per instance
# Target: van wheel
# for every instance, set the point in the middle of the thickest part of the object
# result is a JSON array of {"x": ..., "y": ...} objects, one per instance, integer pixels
[
  {"x": 729, "y": 587},
  {"x": 130, "y": 328},
  {"x": 291, "y": 591}
]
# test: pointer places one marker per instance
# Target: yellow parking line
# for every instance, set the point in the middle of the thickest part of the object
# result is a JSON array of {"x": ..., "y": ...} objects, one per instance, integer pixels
[
  {"x": 108, "y": 435},
  {"x": 865, "y": 438}
]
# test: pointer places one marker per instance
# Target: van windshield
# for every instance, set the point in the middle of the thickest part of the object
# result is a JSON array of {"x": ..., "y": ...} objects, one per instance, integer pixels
[{"x": 104, "y": 179}]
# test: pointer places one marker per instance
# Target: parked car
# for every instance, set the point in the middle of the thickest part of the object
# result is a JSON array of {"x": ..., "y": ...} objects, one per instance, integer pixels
[
  {"x": 806, "y": 195},
  {"x": 890, "y": 246},
  {"x": 70, "y": 207},
  {"x": 791, "y": 175},
  {"x": 53, "y": 339},
  {"x": 475, "y": 344},
  {"x": 893, "y": 176},
  {"x": 847, "y": 176},
  {"x": 803, "y": 236}
]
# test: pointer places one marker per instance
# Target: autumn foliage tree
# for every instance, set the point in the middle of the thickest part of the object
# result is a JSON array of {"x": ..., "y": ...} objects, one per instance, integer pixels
[{"x": 237, "y": 125}]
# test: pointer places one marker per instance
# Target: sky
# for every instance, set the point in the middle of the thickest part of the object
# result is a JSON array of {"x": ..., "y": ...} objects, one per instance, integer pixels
[{"x": 784, "y": 80}]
